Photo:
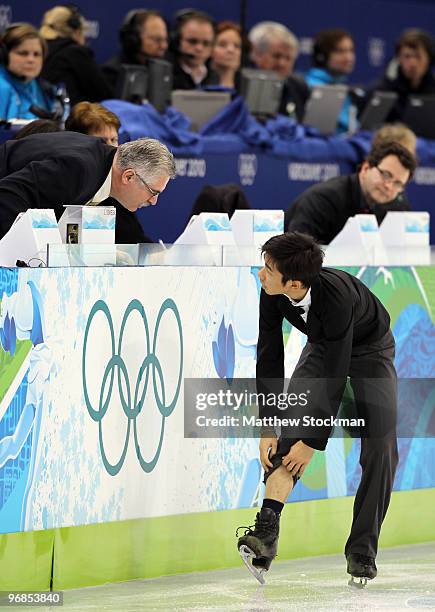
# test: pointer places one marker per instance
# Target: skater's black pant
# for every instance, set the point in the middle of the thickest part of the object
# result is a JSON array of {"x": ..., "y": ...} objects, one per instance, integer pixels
[{"x": 374, "y": 384}]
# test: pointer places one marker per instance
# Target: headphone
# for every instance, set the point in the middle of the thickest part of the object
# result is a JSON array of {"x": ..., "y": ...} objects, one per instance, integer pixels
[
  {"x": 320, "y": 58},
  {"x": 130, "y": 30},
  {"x": 325, "y": 42},
  {"x": 75, "y": 20},
  {"x": 4, "y": 51},
  {"x": 179, "y": 19}
]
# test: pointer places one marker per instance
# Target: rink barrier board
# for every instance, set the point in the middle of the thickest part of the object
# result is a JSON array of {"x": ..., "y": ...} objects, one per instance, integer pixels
[
  {"x": 147, "y": 548},
  {"x": 33, "y": 464},
  {"x": 26, "y": 560}
]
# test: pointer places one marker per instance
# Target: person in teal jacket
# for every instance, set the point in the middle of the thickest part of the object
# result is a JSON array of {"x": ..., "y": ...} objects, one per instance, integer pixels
[
  {"x": 22, "y": 52},
  {"x": 333, "y": 62}
]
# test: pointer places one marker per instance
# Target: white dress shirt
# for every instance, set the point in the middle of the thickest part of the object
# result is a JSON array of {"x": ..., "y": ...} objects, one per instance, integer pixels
[
  {"x": 103, "y": 192},
  {"x": 305, "y": 303},
  {"x": 196, "y": 78}
]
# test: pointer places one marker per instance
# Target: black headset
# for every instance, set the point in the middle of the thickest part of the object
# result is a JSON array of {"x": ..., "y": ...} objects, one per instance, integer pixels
[
  {"x": 130, "y": 30},
  {"x": 75, "y": 20},
  {"x": 322, "y": 46},
  {"x": 4, "y": 51},
  {"x": 179, "y": 19},
  {"x": 320, "y": 58}
]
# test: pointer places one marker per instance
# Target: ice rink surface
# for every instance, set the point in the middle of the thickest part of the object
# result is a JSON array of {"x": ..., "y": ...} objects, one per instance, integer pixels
[{"x": 406, "y": 581}]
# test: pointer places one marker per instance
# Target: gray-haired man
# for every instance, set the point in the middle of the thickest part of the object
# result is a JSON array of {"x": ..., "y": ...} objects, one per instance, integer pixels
[
  {"x": 275, "y": 48},
  {"x": 50, "y": 170}
]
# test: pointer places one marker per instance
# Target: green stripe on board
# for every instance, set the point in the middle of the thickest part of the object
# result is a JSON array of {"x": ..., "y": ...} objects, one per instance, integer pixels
[
  {"x": 26, "y": 560},
  {"x": 10, "y": 364},
  {"x": 146, "y": 548}
]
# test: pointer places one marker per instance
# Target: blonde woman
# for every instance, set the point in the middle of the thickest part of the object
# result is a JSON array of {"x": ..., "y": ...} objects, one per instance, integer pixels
[{"x": 69, "y": 60}]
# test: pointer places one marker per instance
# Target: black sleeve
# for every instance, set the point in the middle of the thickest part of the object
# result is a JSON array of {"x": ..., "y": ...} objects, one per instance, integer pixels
[
  {"x": 270, "y": 351},
  {"x": 270, "y": 347},
  {"x": 82, "y": 76},
  {"x": 37, "y": 185},
  {"x": 311, "y": 214},
  {"x": 128, "y": 229}
]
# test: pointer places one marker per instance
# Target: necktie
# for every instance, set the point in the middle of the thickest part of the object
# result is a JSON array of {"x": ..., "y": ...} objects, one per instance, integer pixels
[{"x": 300, "y": 311}]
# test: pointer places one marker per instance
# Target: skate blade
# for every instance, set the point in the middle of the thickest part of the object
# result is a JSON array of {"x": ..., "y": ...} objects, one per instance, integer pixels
[
  {"x": 247, "y": 555},
  {"x": 357, "y": 585}
]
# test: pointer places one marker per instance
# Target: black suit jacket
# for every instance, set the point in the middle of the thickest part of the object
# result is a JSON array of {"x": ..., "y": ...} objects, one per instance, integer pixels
[
  {"x": 74, "y": 65},
  {"x": 402, "y": 86},
  {"x": 128, "y": 229},
  {"x": 294, "y": 97},
  {"x": 343, "y": 314},
  {"x": 49, "y": 170},
  {"x": 323, "y": 209},
  {"x": 183, "y": 80}
]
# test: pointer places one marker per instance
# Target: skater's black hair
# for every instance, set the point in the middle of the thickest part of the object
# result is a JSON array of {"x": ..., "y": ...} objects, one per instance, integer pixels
[{"x": 297, "y": 256}]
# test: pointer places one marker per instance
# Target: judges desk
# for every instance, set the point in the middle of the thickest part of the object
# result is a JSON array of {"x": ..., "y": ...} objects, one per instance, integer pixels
[
  {"x": 268, "y": 182},
  {"x": 95, "y": 468}
]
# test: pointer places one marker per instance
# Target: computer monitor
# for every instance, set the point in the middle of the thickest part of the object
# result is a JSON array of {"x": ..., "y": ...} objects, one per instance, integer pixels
[
  {"x": 324, "y": 106},
  {"x": 262, "y": 91},
  {"x": 132, "y": 84},
  {"x": 159, "y": 83},
  {"x": 199, "y": 106},
  {"x": 377, "y": 109},
  {"x": 419, "y": 115}
]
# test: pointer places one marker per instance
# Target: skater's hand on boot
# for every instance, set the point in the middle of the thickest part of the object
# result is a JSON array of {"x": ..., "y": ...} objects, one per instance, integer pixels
[
  {"x": 298, "y": 458},
  {"x": 267, "y": 444}
]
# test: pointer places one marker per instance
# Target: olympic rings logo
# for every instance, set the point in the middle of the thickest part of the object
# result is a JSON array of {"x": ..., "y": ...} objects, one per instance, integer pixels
[{"x": 150, "y": 364}]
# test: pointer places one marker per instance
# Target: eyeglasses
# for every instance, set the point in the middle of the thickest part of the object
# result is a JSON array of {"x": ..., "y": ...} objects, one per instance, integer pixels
[
  {"x": 388, "y": 179},
  {"x": 154, "y": 193},
  {"x": 199, "y": 41}
]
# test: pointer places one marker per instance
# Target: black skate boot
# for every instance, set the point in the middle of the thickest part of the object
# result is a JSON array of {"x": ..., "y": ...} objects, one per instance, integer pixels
[
  {"x": 258, "y": 546},
  {"x": 362, "y": 567}
]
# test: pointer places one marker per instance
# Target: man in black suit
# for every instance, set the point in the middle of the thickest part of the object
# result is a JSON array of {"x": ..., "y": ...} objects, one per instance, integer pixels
[
  {"x": 275, "y": 48},
  {"x": 322, "y": 210},
  {"x": 191, "y": 46},
  {"x": 143, "y": 35},
  {"x": 394, "y": 132},
  {"x": 50, "y": 170},
  {"x": 348, "y": 335}
]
